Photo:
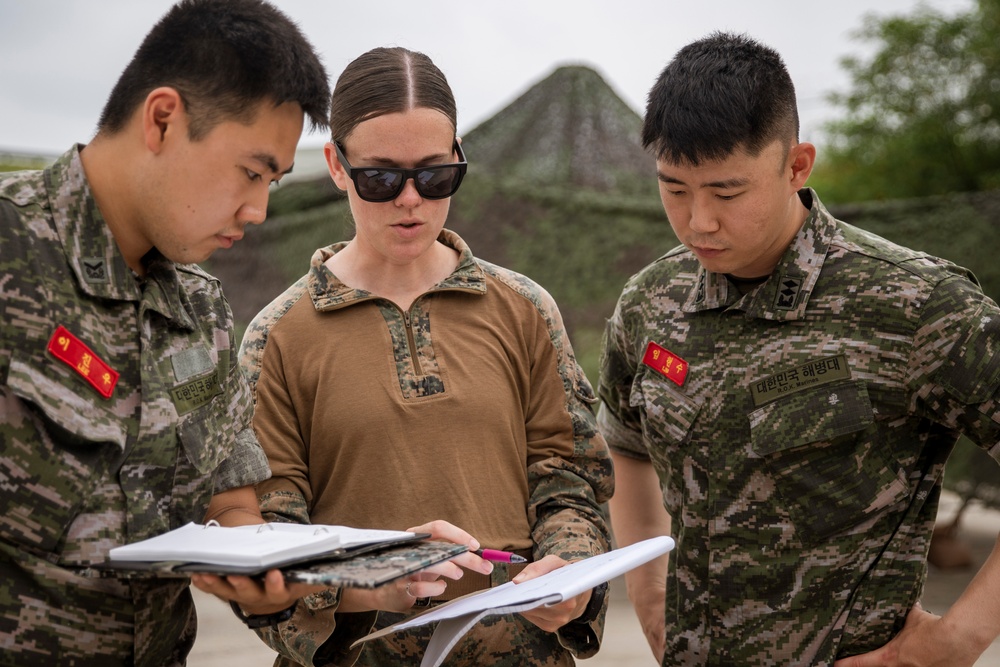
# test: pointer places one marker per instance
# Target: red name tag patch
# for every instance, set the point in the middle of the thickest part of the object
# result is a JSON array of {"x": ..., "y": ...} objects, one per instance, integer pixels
[
  {"x": 72, "y": 351},
  {"x": 665, "y": 362}
]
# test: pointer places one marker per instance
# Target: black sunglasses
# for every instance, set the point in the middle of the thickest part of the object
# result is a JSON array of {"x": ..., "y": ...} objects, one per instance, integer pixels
[{"x": 381, "y": 184}]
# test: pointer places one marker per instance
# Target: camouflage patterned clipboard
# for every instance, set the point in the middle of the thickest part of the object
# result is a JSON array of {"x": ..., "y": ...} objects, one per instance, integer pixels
[
  {"x": 368, "y": 568},
  {"x": 375, "y": 568}
]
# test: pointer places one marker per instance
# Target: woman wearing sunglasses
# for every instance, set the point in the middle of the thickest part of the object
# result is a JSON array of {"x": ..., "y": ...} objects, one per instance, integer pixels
[{"x": 403, "y": 380}]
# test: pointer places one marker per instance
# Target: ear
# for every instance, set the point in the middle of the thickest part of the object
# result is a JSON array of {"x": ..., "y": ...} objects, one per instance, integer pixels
[
  {"x": 163, "y": 117},
  {"x": 333, "y": 165},
  {"x": 801, "y": 159}
]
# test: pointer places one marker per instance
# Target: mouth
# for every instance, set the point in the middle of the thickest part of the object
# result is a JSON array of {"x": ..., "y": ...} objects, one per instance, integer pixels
[
  {"x": 706, "y": 252},
  {"x": 227, "y": 241}
]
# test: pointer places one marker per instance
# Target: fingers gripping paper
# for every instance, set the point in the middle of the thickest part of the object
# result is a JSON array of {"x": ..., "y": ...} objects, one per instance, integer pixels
[{"x": 456, "y": 617}]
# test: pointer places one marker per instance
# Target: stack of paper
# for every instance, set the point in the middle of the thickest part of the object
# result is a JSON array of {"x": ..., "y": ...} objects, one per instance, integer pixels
[{"x": 256, "y": 547}]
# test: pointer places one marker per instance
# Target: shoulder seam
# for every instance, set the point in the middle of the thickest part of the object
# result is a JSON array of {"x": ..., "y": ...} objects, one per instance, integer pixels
[{"x": 508, "y": 278}]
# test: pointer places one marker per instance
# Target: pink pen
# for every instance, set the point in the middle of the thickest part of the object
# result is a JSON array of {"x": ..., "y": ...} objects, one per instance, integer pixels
[{"x": 499, "y": 556}]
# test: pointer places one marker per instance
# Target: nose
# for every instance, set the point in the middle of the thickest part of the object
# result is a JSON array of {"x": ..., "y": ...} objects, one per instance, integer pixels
[
  {"x": 408, "y": 196},
  {"x": 254, "y": 210},
  {"x": 702, "y": 218}
]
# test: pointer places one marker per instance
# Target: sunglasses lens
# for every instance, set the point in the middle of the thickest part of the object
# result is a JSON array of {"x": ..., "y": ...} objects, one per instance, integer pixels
[
  {"x": 437, "y": 183},
  {"x": 378, "y": 185}
]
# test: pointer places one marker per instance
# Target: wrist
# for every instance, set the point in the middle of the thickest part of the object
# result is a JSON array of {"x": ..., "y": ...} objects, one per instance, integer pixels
[
  {"x": 648, "y": 596},
  {"x": 974, "y": 636},
  {"x": 263, "y": 620},
  {"x": 355, "y": 600},
  {"x": 594, "y": 606}
]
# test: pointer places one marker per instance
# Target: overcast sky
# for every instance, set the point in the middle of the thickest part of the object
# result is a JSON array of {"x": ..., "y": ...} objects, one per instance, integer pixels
[{"x": 60, "y": 58}]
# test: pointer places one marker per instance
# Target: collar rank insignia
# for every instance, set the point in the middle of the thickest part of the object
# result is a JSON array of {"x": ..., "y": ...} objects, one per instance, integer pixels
[
  {"x": 94, "y": 269},
  {"x": 666, "y": 363},
  {"x": 72, "y": 351},
  {"x": 788, "y": 292}
]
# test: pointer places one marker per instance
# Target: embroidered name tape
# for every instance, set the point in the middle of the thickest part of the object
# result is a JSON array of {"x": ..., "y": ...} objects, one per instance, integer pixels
[
  {"x": 665, "y": 362},
  {"x": 72, "y": 351},
  {"x": 811, "y": 374},
  {"x": 194, "y": 394}
]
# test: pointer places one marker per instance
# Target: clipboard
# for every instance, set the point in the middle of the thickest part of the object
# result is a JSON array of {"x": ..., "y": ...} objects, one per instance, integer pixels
[{"x": 330, "y": 555}]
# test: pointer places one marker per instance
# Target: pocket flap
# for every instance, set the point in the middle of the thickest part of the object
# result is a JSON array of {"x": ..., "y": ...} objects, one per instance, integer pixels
[
  {"x": 82, "y": 413},
  {"x": 819, "y": 414},
  {"x": 668, "y": 411}
]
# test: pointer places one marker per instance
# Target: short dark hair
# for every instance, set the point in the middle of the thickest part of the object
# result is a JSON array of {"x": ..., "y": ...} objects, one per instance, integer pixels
[
  {"x": 388, "y": 80},
  {"x": 224, "y": 57},
  {"x": 719, "y": 94}
]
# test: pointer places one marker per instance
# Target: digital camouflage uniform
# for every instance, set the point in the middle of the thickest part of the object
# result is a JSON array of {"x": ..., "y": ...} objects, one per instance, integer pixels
[
  {"x": 121, "y": 401},
  {"x": 563, "y": 494},
  {"x": 801, "y": 455}
]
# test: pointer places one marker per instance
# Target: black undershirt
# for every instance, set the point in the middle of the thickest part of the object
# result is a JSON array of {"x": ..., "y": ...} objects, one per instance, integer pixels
[{"x": 746, "y": 285}]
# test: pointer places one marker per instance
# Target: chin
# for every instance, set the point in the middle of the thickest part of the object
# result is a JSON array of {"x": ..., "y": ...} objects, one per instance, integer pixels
[{"x": 190, "y": 257}]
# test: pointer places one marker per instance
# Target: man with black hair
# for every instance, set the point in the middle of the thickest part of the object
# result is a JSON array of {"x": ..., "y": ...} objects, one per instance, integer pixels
[
  {"x": 124, "y": 412},
  {"x": 781, "y": 394}
]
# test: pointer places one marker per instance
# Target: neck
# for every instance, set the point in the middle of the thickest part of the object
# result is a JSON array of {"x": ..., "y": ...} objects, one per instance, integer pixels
[
  {"x": 795, "y": 215},
  {"x": 109, "y": 173},
  {"x": 399, "y": 283}
]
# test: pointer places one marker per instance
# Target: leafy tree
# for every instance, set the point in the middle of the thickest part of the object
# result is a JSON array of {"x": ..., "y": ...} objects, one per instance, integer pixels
[{"x": 923, "y": 114}]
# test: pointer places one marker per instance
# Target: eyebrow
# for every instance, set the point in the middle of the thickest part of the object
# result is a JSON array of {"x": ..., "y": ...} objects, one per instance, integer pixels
[
  {"x": 272, "y": 163},
  {"x": 726, "y": 184},
  {"x": 428, "y": 161},
  {"x": 389, "y": 163}
]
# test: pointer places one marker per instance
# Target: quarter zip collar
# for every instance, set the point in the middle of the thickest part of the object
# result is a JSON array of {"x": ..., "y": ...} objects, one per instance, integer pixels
[{"x": 329, "y": 293}]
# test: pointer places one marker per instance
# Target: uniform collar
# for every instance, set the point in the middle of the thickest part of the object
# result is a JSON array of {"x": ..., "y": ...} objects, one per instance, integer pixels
[
  {"x": 328, "y": 292},
  {"x": 92, "y": 252},
  {"x": 785, "y": 294}
]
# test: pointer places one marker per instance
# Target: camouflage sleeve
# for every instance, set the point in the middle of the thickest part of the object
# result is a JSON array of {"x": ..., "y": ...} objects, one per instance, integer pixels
[
  {"x": 255, "y": 338},
  {"x": 315, "y": 634},
  {"x": 567, "y": 494},
  {"x": 246, "y": 464},
  {"x": 619, "y": 421},
  {"x": 955, "y": 367},
  {"x": 621, "y": 439}
]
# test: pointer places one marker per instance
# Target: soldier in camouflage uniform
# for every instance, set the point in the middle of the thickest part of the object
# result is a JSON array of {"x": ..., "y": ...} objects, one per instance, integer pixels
[
  {"x": 781, "y": 395},
  {"x": 125, "y": 413},
  {"x": 402, "y": 379}
]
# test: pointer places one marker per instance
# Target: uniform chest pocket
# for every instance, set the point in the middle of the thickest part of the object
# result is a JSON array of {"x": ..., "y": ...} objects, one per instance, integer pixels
[
  {"x": 830, "y": 470},
  {"x": 207, "y": 437},
  {"x": 667, "y": 419},
  {"x": 60, "y": 439}
]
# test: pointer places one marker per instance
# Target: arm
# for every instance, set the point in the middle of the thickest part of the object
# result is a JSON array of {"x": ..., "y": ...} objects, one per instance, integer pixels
[
  {"x": 637, "y": 511},
  {"x": 570, "y": 477},
  {"x": 637, "y": 514},
  {"x": 234, "y": 507},
  {"x": 234, "y": 503},
  {"x": 315, "y": 634},
  {"x": 238, "y": 507},
  {"x": 956, "y": 639},
  {"x": 955, "y": 376}
]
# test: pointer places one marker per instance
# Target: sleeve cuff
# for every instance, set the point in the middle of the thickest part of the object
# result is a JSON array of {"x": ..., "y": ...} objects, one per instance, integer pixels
[
  {"x": 246, "y": 466},
  {"x": 619, "y": 437}
]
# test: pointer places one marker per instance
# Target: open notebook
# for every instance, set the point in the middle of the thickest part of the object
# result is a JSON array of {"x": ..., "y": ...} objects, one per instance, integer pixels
[{"x": 322, "y": 554}]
